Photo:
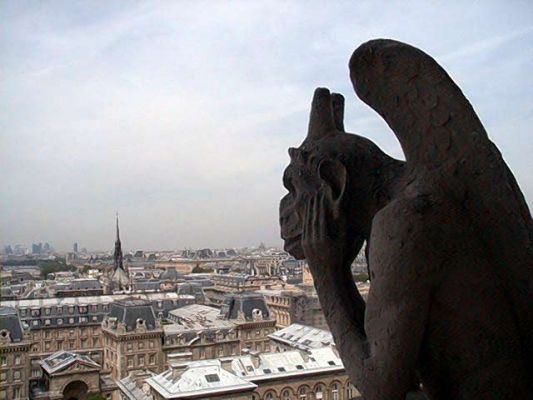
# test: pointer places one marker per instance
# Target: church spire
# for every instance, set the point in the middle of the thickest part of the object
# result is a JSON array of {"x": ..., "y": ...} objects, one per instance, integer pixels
[
  {"x": 117, "y": 256},
  {"x": 118, "y": 236}
]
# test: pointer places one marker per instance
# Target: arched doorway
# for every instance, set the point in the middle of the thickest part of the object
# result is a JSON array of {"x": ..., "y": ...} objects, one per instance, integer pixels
[{"x": 76, "y": 390}]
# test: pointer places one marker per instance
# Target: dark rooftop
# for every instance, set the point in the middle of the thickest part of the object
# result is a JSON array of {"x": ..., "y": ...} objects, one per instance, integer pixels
[
  {"x": 132, "y": 311},
  {"x": 10, "y": 323}
]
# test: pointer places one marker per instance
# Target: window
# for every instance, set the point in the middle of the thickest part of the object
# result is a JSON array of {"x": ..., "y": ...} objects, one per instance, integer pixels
[
  {"x": 60, "y": 321},
  {"x": 16, "y": 375},
  {"x": 3, "y": 394},
  {"x": 299, "y": 366},
  {"x": 286, "y": 394},
  {"x": 334, "y": 391},
  {"x": 152, "y": 359},
  {"x": 212, "y": 378},
  {"x": 281, "y": 369},
  {"x": 3, "y": 360},
  {"x": 267, "y": 371},
  {"x": 141, "y": 361},
  {"x": 130, "y": 361},
  {"x": 3, "y": 376},
  {"x": 249, "y": 368},
  {"x": 319, "y": 392},
  {"x": 269, "y": 396},
  {"x": 129, "y": 346},
  {"x": 16, "y": 392},
  {"x": 141, "y": 345},
  {"x": 151, "y": 344},
  {"x": 331, "y": 362},
  {"x": 302, "y": 393}
]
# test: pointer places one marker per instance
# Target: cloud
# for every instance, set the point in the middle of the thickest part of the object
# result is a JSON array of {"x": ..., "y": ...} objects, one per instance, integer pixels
[{"x": 179, "y": 114}]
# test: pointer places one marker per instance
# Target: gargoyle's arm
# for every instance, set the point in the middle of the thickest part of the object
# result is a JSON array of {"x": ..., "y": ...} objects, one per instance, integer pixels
[{"x": 381, "y": 354}]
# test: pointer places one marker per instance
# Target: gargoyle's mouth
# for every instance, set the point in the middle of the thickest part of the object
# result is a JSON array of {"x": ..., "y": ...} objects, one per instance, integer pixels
[{"x": 293, "y": 246}]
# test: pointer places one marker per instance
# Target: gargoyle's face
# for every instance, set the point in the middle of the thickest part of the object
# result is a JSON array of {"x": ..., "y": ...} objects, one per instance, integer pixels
[{"x": 301, "y": 184}]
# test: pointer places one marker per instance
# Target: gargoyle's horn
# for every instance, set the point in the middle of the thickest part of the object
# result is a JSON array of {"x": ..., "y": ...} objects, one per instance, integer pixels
[
  {"x": 321, "y": 122},
  {"x": 337, "y": 101}
]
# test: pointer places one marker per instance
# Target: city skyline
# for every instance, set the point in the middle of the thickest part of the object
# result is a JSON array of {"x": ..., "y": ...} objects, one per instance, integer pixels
[{"x": 179, "y": 115}]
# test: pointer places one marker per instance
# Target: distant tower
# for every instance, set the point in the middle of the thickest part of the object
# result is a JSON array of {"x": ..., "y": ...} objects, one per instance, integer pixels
[
  {"x": 75, "y": 247},
  {"x": 119, "y": 280},
  {"x": 117, "y": 256}
]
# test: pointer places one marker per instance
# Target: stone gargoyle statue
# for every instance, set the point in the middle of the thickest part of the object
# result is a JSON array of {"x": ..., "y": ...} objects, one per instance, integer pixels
[{"x": 449, "y": 237}]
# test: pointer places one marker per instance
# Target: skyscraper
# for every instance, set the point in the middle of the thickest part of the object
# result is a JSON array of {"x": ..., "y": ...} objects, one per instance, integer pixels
[{"x": 75, "y": 247}]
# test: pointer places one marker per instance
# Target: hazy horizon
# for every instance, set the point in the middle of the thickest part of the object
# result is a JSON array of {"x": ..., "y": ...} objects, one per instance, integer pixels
[{"x": 178, "y": 115}]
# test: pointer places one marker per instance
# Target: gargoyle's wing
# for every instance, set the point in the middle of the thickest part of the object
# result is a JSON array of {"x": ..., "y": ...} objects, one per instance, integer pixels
[{"x": 442, "y": 136}]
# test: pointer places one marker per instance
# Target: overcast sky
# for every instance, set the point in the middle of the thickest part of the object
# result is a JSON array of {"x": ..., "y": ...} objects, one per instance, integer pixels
[{"x": 179, "y": 114}]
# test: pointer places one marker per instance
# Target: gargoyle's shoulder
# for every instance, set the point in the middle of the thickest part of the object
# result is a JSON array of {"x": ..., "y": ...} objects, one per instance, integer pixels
[
  {"x": 415, "y": 205},
  {"x": 425, "y": 216}
]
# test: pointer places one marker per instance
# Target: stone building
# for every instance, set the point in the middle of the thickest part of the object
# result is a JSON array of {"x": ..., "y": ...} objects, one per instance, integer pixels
[
  {"x": 14, "y": 358},
  {"x": 299, "y": 304},
  {"x": 78, "y": 287},
  {"x": 69, "y": 375},
  {"x": 237, "y": 283},
  {"x": 201, "y": 332},
  {"x": 317, "y": 374},
  {"x": 250, "y": 313},
  {"x": 132, "y": 339},
  {"x": 75, "y": 323}
]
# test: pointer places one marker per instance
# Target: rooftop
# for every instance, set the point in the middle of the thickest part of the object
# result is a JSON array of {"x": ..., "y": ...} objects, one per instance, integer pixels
[
  {"x": 10, "y": 325},
  {"x": 241, "y": 373},
  {"x": 196, "y": 317},
  {"x": 303, "y": 337},
  {"x": 200, "y": 378},
  {"x": 62, "y": 359}
]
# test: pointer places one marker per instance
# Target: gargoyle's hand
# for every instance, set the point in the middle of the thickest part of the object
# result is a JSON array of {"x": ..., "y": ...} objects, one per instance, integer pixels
[{"x": 325, "y": 237}]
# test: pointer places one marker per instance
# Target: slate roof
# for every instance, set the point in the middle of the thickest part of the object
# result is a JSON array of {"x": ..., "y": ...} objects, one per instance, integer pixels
[
  {"x": 170, "y": 274},
  {"x": 193, "y": 289},
  {"x": 130, "y": 311},
  {"x": 10, "y": 322},
  {"x": 244, "y": 304},
  {"x": 87, "y": 310}
]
